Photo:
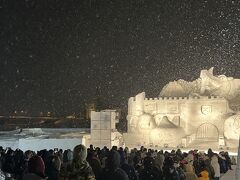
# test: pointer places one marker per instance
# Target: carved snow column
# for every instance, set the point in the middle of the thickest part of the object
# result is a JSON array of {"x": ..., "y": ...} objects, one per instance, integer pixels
[
  {"x": 140, "y": 103},
  {"x": 237, "y": 172},
  {"x": 131, "y": 113},
  {"x": 135, "y": 109},
  {"x": 131, "y": 103}
]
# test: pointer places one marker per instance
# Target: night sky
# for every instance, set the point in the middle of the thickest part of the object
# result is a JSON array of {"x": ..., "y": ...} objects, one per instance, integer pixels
[{"x": 54, "y": 53}]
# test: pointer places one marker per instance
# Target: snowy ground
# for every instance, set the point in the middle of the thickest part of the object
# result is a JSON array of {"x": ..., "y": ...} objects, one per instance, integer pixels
[
  {"x": 229, "y": 175},
  {"x": 45, "y": 138}
]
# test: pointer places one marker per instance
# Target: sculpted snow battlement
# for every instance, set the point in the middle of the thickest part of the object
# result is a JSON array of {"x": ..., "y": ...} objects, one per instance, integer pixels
[
  {"x": 131, "y": 99},
  {"x": 204, "y": 109}
]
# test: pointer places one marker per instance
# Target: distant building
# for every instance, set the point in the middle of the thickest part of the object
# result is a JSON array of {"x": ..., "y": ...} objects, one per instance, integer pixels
[
  {"x": 97, "y": 104},
  {"x": 88, "y": 108}
]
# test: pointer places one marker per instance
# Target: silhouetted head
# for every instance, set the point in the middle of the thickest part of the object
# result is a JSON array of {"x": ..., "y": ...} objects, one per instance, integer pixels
[
  {"x": 113, "y": 160},
  {"x": 36, "y": 166}
]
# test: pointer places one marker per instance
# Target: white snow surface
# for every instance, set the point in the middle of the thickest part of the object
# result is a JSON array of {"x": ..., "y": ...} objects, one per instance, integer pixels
[{"x": 43, "y": 138}]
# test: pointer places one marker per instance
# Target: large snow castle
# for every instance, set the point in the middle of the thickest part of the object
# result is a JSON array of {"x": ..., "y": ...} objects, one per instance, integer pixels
[{"x": 204, "y": 112}]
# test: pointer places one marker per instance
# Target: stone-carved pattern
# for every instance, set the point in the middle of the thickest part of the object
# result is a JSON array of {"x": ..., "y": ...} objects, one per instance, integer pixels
[
  {"x": 207, "y": 131},
  {"x": 206, "y": 109}
]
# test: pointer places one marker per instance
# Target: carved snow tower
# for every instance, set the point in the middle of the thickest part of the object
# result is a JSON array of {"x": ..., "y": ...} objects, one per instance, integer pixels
[{"x": 200, "y": 113}]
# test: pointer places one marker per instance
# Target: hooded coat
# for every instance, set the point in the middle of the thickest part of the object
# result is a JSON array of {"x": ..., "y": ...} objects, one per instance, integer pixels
[
  {"x": 203, "y": 175},
  {"x": 223, "y": 164},
  {"x": 169, "y": 171},
  {"x": 189, "y": 172},
  {"x": 209, "y": 168},
  {"x": 159, "y": 160},
  {"x": 132, "y": 175},
  {"x": 53, "y": 168},
  {"x": 79, "y": 168},
  {"x": 94, "y": 162},
  {"x": 113, "y": 170},
  {"x": 36, "y": 169},
  {"x": 150, "y": 171},
  {"x": 215, "y": 165}
]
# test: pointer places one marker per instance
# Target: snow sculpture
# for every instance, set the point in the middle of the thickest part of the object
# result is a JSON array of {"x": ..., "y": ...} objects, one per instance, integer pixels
[
  {"x": 232, "y": 127},
  {"x": 146, "y": 122},
  {"x": 166, "y": 134},
  {"x": 206, "y": 85},
  {"x": 185, "y": 112},
  {"x": 221, "y": 85}
]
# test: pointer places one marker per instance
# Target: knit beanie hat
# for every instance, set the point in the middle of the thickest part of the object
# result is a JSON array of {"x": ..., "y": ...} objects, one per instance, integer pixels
[{"x": 36, "y": 166}]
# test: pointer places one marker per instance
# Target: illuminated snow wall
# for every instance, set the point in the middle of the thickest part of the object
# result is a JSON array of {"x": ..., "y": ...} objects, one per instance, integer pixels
[{"x": 199, "y": 117}]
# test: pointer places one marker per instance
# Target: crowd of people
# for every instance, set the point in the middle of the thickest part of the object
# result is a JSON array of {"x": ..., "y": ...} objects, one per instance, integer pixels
[{"x": 113, "y": 164}]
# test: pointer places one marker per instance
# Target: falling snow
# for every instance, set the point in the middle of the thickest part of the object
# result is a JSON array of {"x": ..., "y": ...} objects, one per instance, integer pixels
[{"x": 55, "y": 54}]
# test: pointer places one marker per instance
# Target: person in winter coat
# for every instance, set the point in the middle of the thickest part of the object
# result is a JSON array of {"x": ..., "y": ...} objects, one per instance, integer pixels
[
  {"x": 19, "y": 164},
  {"x": 190, "y": 158},
  {"x": 79, "y": 168},
  {"x": 216, "y": 166},
  {"x": 67, "y": 156},
  {"x": 67, "y": 161},
  {"x": 130, "y": 171},
  {"x": 179, "y": 170},
  {"x": 210, "y": 153},
  {"x": 234, "y": 161},
  {"x": 137, "y": 163},
  {"x": 203, "y": 175},
  {"x": 169, "y": 171},
  {"x": 27, "y": 156},
  {"x": 8, "y": 162},
  {"x": 53, "y": 168},
  {"x": 223, "y": 163},
  {"x": 112, "y": 171},
  {"x": 228, "y": 159},
  {"x": 209, "y": 168},
  {"x": 36, "y": 169},
  {"x": 189, "y": 172},
  {"x": 128, "y": 168},
  {"x": 159, "y": 160},
  {"x": 150, "y": 171},
  {"x": 94, "y": 162}
]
